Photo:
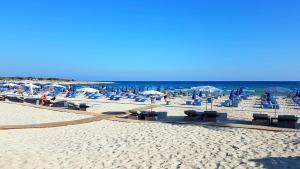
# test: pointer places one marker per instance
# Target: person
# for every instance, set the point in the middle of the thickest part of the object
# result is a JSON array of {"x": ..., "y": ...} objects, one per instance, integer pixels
[
  {"x": 152, "y": 99},
  {"x": 43, "y": 99},
  {"x": 166, "y": 96},
  {"x": 21, "y": 91}
]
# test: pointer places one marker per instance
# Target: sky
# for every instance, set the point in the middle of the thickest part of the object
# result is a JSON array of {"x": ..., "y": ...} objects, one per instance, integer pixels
[{"x": 164, "y": 40}]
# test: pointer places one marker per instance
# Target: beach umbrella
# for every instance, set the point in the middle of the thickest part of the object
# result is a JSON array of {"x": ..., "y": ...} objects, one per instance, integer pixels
[
  {"x": 30, "y": 85},
  {"x": 237, "y": 92},
  {"x": 200, "y": 94},
  {"x": 268, "y": 96},
  {"x": 88, "y": 90},
  {"x": 241, "y": 91},
  {"x": 194, "y": 95},
  {"x": 10, "y": 85},
  {"x": 278, "y": 90},
  {"x": 209, "y": 89},
  {"x": 152, "y": 92},
  {"x": 231, "y": 95}
]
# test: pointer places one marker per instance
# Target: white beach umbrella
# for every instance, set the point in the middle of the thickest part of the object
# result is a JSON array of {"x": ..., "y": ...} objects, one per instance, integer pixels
[
  {"x": 88, "y": 90},
  {"x": 31, "y": 86},
  {"x": 152, "y": 92},
  {"x": 209, "y": 89},
  {"x": 10, "y": 85}
]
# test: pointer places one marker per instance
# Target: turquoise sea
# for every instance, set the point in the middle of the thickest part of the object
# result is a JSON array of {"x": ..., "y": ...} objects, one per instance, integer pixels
[{"x": 225, "y": 85}]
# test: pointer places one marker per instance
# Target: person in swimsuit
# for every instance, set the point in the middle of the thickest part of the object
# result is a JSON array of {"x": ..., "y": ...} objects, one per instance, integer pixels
[
  {"x": 166, "y": 96},
  {"x": 43, "y": 99}
]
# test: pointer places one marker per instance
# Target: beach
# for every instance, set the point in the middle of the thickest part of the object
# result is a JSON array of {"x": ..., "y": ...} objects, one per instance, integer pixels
[{"x": 141, "y": 144}]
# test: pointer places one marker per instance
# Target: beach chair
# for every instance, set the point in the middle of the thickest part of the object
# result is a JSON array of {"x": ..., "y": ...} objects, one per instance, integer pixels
[
  {"x": 143, "y": 99},
  {"x": 227, "y": 103},
  {"x": 266, "y": 105},
  {"x": 260, "y": 119},
  {"x": 2, "y": 98},
  {"x": 112, "y": 97},
  {"x": 189, "y": 102},
  {"x": 191, "y": 113},
  {"x": 209, "y": 116},
  {"x": 210, "y": 100},
  {"x": 158, "y": 98},
  {"x": 83, "y": 107},
  {"x": 235, "y": 103},
  {"x": 197, "y": 102},
  {"x": 287, "y": 121}
]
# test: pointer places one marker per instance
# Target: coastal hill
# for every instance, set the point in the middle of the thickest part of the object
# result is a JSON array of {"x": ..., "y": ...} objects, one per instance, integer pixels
[{"x": 48, "y": 80}]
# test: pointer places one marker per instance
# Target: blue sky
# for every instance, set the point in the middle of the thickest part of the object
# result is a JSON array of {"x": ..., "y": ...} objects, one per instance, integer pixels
[{"x": 151, "y": 39}]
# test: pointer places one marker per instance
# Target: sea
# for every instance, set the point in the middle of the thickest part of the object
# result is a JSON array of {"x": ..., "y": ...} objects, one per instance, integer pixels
[{"x": 227, "y": 86}]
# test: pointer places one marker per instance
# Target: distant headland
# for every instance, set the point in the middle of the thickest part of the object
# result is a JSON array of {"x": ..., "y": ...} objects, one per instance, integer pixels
[{"x": 48, "y": 80}]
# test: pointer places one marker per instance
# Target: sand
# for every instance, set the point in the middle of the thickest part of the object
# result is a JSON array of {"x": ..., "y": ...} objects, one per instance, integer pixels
[
  {"x": 13, "y": 114},
  {"x": 108, "y": 144},
  {"x": 111, "y": 144}
]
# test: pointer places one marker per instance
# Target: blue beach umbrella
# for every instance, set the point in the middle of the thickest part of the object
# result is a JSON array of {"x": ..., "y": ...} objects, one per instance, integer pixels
[
  {"x": 200, "y": 94},
  {"x": 268, "y": 96},
  {"x": 237, "y": 92},
  {"x": 297, "y": 93},
  {"x": 194, "y": 95},
  {"x": 231, "y": 95},
  {"x": 240, "y": 91}
]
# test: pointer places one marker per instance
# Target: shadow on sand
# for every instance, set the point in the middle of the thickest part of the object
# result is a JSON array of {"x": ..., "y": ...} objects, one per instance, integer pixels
[{"x": 279, "y": 162}]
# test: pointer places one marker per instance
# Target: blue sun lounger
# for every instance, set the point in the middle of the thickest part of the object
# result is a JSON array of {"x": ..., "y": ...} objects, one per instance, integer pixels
[
  {"x": 189, "y": 102},
  {"x": 266, "y": 105},
  {"x": 197, "y": 102},
  {"x": 143, "y": 99}
]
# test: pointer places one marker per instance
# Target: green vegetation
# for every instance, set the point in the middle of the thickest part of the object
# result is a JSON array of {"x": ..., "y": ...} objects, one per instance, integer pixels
[{"x": 35, "y": 78}]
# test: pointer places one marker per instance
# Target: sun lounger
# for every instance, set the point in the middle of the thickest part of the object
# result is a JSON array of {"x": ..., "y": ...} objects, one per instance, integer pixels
[
  {"x": 189, "y": 102},
  {"x": 226, "y": 103},
  {"x": 235, "y": 103},
  {"x": 209, "y": 116},
  {"x": 210, "y": 100},
  {"x": 81, "y": 106},
  {"x": 2, "y": 98},
  {"x": 260, "y": 119},
  {"x": 58, "y": 104},
  {"x": 31, "y": 100},
  {"x": 158, "y": 98},
  {"x": 266, "y": 105},
  {"x": 15, "y": 99},
  {"x": 191, "y": 113},
  {"x": 143, "y": 99},
  {"x": 287, "y": 121}
]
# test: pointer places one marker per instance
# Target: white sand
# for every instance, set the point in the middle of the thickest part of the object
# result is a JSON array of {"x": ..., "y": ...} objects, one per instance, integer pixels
[
  {"x": 109, "y": 144},
  {"x": 13, "y": 114}
]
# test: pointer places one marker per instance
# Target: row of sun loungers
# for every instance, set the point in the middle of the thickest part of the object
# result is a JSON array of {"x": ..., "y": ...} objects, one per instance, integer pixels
[
  {"x": 285, "y": 121},
  {"x": 206, "y": 116}
]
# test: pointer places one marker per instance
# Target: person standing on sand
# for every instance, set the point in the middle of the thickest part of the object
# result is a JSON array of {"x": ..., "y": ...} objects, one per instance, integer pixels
[{"x": 166, "y": 96}]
